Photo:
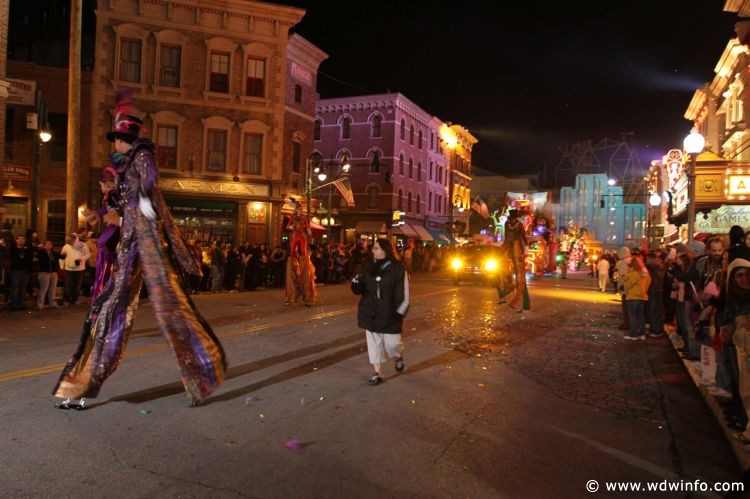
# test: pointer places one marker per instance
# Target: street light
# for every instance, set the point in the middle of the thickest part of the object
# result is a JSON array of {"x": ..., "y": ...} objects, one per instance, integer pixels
[
  {"x": 693, "y": 144},
  {"x": 611, "y": 182},
  {"x": 336, "y": 171}
]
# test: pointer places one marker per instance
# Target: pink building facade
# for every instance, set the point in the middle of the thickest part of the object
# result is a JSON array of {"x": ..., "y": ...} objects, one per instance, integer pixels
[{"x": 400, "y": 162}]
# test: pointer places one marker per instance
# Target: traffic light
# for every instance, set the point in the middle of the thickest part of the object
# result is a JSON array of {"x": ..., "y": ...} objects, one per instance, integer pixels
[{"x": 388, "y": 177}]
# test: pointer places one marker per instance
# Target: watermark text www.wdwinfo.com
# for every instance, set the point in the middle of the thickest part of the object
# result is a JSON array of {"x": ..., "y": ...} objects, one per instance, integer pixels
[{"x": 666, "y": 486}]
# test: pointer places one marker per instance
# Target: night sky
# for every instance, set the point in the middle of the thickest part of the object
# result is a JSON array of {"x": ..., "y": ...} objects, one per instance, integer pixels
[{"x": 526, "y": 80}]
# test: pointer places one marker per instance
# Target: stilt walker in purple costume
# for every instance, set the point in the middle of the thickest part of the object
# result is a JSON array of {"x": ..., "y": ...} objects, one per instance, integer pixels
[
  {"x": 151, "y": 250},
  {"x": 110, "y": 236}
]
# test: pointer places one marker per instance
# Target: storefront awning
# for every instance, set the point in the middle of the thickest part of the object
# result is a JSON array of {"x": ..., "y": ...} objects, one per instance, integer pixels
[
  {"x": 440, "y": 236},
  {"x": 406, "y": 230},
  {"x": 369, "y": 227},
  {"x": 422, "y": 233}
]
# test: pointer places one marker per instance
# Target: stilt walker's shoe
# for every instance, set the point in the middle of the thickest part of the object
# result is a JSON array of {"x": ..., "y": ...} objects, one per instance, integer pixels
[
  {"x": 64, "y": 405},
  {"x": 375, "y": 379}
]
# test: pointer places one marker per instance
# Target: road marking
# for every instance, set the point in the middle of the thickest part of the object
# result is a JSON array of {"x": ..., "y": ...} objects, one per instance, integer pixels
[{"x": 227, "y": 332}]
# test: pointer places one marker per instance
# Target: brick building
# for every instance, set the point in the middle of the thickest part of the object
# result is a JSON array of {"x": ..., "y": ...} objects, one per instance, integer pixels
[
  {"x": 215, "y": 83},
  {"x": 403, "y": 160}
]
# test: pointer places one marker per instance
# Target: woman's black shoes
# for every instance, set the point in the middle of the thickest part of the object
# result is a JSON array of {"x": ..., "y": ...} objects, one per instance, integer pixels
[
  {"x": 375, "y": 379},
  {"x": 399, "y": 364}
]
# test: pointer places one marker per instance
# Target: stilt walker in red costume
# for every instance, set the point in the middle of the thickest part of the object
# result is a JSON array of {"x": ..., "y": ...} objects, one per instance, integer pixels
[{"x": 300, "y": 272}]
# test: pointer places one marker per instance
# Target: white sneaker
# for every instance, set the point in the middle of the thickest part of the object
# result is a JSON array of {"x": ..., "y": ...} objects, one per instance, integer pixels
[{"x": 631, "y": 338}]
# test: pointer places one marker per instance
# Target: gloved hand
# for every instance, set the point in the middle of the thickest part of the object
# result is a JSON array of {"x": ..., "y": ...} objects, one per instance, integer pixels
[{"x": 146, "y": 207}]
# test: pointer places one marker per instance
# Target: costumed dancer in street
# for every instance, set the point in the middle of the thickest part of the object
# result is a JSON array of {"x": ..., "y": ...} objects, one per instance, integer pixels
[
  {"x": 151, "y": 250},
  {"x": 515, "y": 243},
  {"x": 300, "y": 272},
  {"x": 384, "y": 289},
  {"x": 110, "y": 236}
]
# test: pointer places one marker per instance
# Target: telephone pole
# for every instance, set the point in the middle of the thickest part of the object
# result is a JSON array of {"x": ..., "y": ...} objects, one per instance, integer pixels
[{"x": 74, "y": 116}]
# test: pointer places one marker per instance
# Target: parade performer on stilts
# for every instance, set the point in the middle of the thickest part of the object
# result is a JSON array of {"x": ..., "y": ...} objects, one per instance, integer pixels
[
  {"x": 300, "y": 272},
  {"x": 515, "y": 245},
  {"x": 151, "y": 250}
]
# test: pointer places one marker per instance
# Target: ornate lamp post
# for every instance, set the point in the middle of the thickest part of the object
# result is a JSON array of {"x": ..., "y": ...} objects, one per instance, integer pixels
[{"x": 693, "y": 144}]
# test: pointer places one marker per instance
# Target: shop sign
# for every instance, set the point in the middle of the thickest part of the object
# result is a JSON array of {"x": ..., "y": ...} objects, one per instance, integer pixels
[
  {"x": 22, "y": 173},
  {"x": 210, "y": 187},
  {"x": 723, "y": 218},
  {"x": 739, "y": 185},
  {"x": 21, "y": 92},
  {"x": 680, "y": 199}
]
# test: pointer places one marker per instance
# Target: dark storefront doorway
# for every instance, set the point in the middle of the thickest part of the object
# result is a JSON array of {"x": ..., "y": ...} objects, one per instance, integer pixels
[{"x": 204, "y": 219}]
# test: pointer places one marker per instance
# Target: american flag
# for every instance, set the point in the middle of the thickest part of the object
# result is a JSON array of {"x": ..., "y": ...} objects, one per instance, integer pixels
[
  {"x": 345, "y": 188},
  {"x": 480, "y": 207}
]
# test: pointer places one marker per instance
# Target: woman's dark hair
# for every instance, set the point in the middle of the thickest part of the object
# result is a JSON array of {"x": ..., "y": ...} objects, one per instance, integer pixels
[
  {"x": 389, "y": 248},
  {"x": 736, "y": 235}
]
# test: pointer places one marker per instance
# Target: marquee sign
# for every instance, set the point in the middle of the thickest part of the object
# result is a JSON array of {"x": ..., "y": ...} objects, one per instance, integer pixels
[
  {"x": 738, "y": 185},
  {"x": 211, "y": 187},
  {"x": 723, "y": 218}
]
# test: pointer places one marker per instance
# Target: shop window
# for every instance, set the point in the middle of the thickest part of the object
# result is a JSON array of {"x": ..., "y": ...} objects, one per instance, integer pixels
[
  {"x": 253, "y": 157},
  {"x": 316, "y": 132},
  {"x": 376, "y": 126},
  {"x": 375, "y": 163},
  {"x": 58, "y": 146},
  {"x": 10, "y": 129},
  {"x": 56, "y": 221},
  {"x": 219, "y": 77},
  {"x": 255, "y": 85},
  {"x": 166, "y": 146},
  {"x": 169, "y": 69},
  {"x": 296, "y": 156},
  {"x": 217, "y": 151},
  {"x": 130, "y": 60},
  {"x": 373, "y": 197},
  {"x": 345, "y": 128}
]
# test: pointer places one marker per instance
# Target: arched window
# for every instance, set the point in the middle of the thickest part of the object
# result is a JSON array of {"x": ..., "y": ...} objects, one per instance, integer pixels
[
  {"x": 419, "y": 171},
  {"x": 411, "y": 168},
  {"x": 403, "y": 130},
  {"x": 345, "y": 124},
  {"x": 376, "y": 122},
  {"x": 419, "y": 208},
  {"x": 316, "y": 133},
  {"x": 411, "y": 135},
  {"x": 430, "y": 170},
  {"x": 375, "y": 163},
  {"x": 373, "y": 197},
  {"x": 400, "y": 200},
  {"x": 408, "y": 203},
  {"x": 419, "y": 144},
  {"x": 401, "y": 164},
  {"x": 429, "y": 201}
]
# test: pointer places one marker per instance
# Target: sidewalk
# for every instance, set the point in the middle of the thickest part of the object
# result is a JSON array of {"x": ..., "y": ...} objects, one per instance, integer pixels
[{"x": 694, "y": 368}]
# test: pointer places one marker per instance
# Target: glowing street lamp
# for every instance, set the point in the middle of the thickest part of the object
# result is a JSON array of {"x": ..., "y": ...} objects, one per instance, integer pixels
[{"x": 693, "y": 144}]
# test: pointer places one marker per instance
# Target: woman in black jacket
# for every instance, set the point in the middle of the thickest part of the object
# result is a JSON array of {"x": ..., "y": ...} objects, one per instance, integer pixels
[{"x": 384, "y": 289}]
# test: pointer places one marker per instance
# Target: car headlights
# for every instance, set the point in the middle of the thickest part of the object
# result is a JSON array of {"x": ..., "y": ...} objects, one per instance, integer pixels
[
  {"x": 456, "y": 263},
  {"x": 490, "y": 265}
]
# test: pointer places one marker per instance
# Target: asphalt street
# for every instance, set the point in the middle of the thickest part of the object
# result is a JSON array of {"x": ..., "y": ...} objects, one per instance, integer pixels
[{"x": 492, "y": 404}]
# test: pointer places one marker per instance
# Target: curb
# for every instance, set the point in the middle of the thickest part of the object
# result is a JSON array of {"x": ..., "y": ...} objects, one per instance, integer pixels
[{"x": 741, "y": 452}]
